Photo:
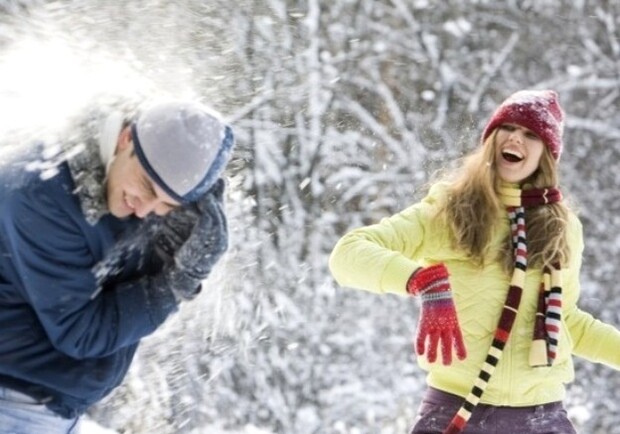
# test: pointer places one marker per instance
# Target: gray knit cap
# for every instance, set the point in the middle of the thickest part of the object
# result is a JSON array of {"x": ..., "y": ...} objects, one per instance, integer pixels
[{"x": 183, "y": 146}]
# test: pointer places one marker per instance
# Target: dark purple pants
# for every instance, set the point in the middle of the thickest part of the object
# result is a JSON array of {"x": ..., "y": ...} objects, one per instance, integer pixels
[{"x": 438, "y": 408}]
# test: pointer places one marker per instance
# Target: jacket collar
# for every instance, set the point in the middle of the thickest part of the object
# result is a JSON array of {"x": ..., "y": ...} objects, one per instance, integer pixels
[{"x": 93, "y": 145}]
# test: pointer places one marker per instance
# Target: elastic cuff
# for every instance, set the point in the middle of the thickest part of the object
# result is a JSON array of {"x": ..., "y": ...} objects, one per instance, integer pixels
[
  {"x": 411, "y": 289},
  {"x": 433, "y": 278},
  {"x": 184, "y": 294}
]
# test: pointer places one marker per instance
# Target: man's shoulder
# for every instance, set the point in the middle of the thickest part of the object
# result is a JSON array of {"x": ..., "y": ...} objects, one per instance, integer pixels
[{"x": 39, "y": 192}]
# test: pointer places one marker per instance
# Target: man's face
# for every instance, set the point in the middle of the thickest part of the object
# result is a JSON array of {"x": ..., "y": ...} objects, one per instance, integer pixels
[{"x": 130, "y": 191}]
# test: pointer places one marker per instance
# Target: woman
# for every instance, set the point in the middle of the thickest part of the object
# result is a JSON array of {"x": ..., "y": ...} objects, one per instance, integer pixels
[{"x": 494, "y": 254}]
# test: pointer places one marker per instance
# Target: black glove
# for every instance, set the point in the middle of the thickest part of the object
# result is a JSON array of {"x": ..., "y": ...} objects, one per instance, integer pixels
[
  {"x": 173, "y": 230},
  {"x": 206, "y": 243}
]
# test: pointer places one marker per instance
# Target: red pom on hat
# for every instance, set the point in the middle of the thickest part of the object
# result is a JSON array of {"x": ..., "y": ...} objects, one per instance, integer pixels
[{"x": 536, "y": 110}]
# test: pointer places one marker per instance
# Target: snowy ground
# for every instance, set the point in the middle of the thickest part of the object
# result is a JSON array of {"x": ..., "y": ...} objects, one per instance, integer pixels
[{"x": 88, "y": 426}]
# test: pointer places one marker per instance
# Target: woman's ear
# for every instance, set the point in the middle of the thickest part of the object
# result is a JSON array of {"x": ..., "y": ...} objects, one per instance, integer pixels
[{"x": 124, "y": 140}]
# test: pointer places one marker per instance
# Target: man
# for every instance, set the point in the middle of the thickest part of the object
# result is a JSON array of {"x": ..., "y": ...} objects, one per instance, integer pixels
[{"x": 98, "y": 246}]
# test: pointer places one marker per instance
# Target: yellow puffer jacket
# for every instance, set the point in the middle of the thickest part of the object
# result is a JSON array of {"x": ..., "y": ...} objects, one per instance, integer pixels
[{"x": 380, "y": 258}]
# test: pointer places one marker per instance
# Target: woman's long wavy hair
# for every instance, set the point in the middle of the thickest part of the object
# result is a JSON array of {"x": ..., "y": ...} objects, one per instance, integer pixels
[{"x": 473, "y": 210}]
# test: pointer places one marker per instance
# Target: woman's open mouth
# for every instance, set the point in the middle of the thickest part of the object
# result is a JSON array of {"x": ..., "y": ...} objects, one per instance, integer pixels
[{"x": 512, "y": 156}]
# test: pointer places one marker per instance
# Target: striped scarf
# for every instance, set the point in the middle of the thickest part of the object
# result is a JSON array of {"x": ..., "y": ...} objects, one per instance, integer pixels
[{"x": 548, "y": 316}]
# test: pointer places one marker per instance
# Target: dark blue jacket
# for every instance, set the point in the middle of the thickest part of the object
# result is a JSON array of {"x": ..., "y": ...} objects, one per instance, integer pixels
[{"x": 73, "y": 304}]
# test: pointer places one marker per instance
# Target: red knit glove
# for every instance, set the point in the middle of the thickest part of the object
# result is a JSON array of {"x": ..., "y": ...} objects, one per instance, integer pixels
[{"x": 438, "y": 321}]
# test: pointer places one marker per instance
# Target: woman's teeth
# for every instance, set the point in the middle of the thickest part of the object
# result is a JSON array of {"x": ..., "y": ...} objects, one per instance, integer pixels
[{"x": 512, "y": 156}]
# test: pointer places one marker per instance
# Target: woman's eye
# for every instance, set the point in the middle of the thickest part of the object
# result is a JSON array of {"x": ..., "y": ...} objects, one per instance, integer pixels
[
  {"x": 507, "y": 127},
  {"x": 532, "y": 136}
]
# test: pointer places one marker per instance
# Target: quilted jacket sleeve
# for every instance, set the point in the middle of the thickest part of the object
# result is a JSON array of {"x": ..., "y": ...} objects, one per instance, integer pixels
[{"x": 381, "y": 257}]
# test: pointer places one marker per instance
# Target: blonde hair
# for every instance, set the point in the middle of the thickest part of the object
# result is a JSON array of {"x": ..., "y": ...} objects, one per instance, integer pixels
[{"x": 473, "y": 210}]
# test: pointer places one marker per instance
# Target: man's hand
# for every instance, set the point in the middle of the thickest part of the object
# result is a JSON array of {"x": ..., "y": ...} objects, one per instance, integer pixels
[
  {"x": 209, "y": 238},
  {"x": 173, "y": 231},
  {"x": 206, "y": 243}
]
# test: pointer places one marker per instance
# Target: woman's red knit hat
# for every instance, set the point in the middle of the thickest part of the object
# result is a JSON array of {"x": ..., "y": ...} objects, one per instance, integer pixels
[{"x": 536, "y": 110}]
